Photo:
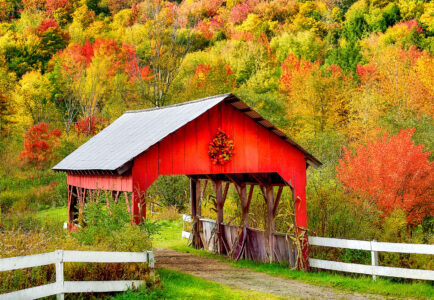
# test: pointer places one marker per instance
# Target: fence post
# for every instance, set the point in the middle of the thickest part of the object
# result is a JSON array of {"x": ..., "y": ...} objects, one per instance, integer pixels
[
  {"x": 59, "y": 274},
  {"x": 150, "y": 259},
  {"x": 374, "y": 260}
]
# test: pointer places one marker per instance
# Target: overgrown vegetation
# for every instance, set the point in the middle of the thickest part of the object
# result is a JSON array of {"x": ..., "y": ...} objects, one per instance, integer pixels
[{"x": 30, "y": 234}]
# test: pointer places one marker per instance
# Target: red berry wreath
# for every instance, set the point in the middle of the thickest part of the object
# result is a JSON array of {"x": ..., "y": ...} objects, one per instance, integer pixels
[{"x": 221, "y": 148}]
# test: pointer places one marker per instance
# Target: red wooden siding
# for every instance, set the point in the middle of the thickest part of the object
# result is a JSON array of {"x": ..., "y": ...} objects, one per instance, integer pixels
[
  {"x": 257, "y": 150},
  {"x": 102, "y": 182}
]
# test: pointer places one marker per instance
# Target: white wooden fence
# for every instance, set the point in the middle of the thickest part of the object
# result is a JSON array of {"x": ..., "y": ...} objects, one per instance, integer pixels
[
  {"x": 60, "y": 287},
  {"x": 374, "y": 247}
]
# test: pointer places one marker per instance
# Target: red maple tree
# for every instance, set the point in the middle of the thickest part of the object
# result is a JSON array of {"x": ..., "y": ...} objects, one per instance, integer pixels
[
  {"x": 39, "y": 143},
  {"x": 86, "y": 127},
  {"x": 393, "y": 172}
]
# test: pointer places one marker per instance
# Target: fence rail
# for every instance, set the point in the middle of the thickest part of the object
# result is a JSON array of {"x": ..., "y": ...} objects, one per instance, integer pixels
[
  {"x": 374, "y": 247},
  {"x": 60, "y": 287}
]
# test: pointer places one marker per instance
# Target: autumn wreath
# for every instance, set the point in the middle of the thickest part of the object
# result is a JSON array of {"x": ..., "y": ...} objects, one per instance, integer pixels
[{"x": 221, "y": 148}]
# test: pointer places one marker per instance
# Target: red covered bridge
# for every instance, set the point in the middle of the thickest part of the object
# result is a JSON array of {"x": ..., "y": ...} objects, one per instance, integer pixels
[{"x": 127, "y": 156}]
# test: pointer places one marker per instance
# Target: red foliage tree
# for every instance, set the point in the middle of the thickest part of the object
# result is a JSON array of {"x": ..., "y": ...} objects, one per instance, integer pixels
[
  {"x": 87, "y": 127},
  {"x": 39, "y": 143},
  {"x": 45, "y": 25},
  {"x": 239, "y": 13},
  {"x": 293, "y": 66},
  {"x": 394, "y": 173},
  {"x": 52, "y": 5}
]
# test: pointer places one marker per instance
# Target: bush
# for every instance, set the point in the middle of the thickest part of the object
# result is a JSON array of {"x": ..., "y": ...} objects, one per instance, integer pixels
[{"x": 111, "y": 227}]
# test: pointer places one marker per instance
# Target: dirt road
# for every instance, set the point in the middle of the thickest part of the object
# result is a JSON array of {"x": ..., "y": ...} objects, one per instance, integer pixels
[{"x": 245, "y": 279}]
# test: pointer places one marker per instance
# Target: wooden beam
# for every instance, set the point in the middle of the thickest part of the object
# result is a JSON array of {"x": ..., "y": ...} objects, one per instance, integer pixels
[
  {"x": 220, "y": 201},
  {"x": 127, "y": 201},
  {"x": 276, "y": 202},
  {"x": 234, "y": 179},
  {"x": 225, "y": 193},
  {"x": 249, "y": 199},
  {"x": 269, "y": 195},
  {"x": 194, "y": 201},
  {"x": 202, "y": 195},
  {"x": 259, "y": 179}
]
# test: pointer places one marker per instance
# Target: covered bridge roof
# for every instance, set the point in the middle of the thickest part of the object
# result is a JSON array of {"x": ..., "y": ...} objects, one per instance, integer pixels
[{"x": 114, "y": 148}]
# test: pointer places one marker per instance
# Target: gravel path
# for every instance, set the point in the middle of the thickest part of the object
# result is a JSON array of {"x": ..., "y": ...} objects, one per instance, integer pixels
[{"x": 245, "y": 279}]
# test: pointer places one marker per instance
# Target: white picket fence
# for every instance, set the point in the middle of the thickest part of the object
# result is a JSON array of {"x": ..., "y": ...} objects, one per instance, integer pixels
[
  {"x": 60, "y": 287},
  {"x": 374, "y": 247}
]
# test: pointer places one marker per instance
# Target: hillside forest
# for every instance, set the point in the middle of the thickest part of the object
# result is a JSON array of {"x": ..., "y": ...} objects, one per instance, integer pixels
[{"x": 350, "y": 81}]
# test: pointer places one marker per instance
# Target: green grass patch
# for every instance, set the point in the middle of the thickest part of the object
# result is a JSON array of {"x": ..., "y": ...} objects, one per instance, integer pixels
[
  {"x": 177, "y": 285},
  {"x": 57, "y": 214},
  {"x": 169, "y": 235}
]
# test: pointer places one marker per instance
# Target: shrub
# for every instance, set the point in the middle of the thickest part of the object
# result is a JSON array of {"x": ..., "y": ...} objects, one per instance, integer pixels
[
  {"x": 111, "y": 226},
  {"x": 39, "y": 143}
]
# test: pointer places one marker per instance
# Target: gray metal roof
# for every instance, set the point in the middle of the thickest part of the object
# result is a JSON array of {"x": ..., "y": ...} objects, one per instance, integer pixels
[{"x": 135, "y": 131}]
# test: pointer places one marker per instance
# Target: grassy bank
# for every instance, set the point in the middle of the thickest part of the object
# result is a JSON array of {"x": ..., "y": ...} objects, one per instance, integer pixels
[{"x": 176, "y": 285}]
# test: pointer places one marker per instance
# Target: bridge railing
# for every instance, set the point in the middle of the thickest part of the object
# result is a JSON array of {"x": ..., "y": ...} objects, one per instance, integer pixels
[{"x": 60, "y": 287}]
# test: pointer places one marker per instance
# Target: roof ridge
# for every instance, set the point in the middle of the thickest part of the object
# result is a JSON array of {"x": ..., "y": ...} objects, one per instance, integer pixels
[{"x": 176, "y": 104}]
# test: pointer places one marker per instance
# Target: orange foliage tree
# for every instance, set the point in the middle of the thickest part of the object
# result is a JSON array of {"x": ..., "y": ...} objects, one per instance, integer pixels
[
  {"x": 39, "y": 143},
  {"x": 393, "y": 172}
]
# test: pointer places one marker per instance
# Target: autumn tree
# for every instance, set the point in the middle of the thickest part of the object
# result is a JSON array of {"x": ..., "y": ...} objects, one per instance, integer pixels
[
  {"x": 317, "y": 96},
  {"x": 39, "y": 143},
  {"x": 392, "y": 172},
  {"x": 168, "y": 47},
  {"x": 33, "y": 99},
  {"x": 94, "y": 72}
]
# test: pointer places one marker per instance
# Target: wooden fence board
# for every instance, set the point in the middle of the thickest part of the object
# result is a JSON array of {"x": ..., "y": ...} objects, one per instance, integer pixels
[
  {"x": 104, "y": 257},
  {"x": 33, "y": 292},
  {"x": 100, "y": 286},
  {"x": 372, "y": 270},
  {"x": 28, "y": 261}
]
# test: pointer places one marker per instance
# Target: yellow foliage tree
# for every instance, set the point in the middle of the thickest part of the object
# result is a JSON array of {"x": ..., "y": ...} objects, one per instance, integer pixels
[{"x": 32, "y": 99}]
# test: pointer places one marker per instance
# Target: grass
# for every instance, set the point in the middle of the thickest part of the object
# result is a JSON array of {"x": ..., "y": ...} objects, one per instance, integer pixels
[
  {"x": 170, "y": 237},
  {"x": 58, "y": 214},
  {"x": 177, "y": 285}
]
